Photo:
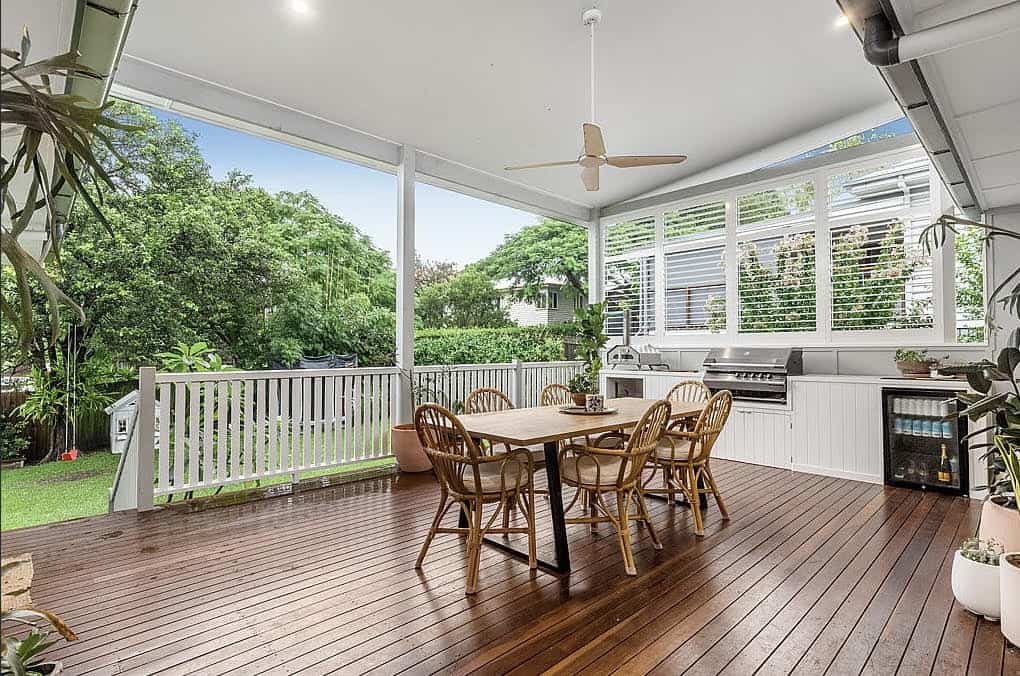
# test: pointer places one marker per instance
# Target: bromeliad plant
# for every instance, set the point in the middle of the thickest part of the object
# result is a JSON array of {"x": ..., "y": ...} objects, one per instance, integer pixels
[{"x": 70, "y": 125}]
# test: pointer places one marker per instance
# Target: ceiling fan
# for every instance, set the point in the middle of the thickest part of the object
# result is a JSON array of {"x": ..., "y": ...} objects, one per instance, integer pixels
[{"x": 594, "y": 155}]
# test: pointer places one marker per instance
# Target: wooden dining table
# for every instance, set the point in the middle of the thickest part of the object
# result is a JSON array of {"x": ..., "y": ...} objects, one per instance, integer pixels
[{"x": 547, "y": 425}]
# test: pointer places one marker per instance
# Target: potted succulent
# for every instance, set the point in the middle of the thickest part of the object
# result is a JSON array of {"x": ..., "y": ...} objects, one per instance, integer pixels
[
  {"x": 976, "y": 577},
  {"x": 1009, "y": 595},
  {"x": 913, "y": 362}
]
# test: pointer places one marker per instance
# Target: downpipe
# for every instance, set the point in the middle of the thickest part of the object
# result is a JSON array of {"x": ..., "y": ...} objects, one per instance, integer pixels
[{"x": 883, "y": 48}]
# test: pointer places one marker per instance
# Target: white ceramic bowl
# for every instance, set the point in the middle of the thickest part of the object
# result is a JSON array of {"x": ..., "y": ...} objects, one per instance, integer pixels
[{"x": 976, "y": 586}]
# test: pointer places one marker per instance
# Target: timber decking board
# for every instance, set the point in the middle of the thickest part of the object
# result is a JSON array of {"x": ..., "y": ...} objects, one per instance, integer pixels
[{"x": 811, "y": 574}]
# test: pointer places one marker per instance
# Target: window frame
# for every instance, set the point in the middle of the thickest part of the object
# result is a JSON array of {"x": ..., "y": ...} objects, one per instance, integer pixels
[{"x": 942, "y": 264}]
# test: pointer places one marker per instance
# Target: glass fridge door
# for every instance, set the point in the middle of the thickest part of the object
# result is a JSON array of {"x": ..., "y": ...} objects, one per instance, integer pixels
[{"x": 922, "y": 448}]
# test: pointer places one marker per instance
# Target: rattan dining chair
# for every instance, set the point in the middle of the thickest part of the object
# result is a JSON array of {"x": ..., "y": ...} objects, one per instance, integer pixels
[
  {"x": 472, "y": 480},
  {"x": 555, "y": 394},
  {"x": 486, "y": 400},
  {"x": 686, "y": 391},
  {"x": 596, "y": 471},
  {"x": 683, "y": 457}
]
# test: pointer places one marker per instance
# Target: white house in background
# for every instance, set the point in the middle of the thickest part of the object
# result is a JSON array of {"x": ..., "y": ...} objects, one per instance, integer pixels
[{"x": 555, "y": 304}]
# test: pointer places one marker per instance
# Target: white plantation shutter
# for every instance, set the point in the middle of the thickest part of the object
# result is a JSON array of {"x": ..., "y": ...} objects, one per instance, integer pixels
[
  {"x": 704, "y": 220},
  {"x": 782, "y": 206},
  {"x": 881, "y": 279},
  {"x": 630, "y": 236},
  {"x": 696, "y": 290},
  {"x": 776, "y": 284},
  {"x": 630, "y": 285}
]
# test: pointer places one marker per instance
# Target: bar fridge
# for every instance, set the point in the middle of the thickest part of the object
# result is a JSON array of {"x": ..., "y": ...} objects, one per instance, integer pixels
[{"x": 922, "y": 449}]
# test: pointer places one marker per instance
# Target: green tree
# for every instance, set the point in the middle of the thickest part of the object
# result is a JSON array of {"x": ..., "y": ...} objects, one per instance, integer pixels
[
  {"x": 466, "y": 300},
  {"x": 547, "y": 249},
  {"x": 970, "y": 283}
]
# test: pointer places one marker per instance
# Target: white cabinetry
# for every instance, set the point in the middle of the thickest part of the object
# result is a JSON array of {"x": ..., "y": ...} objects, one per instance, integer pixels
[
  {"x": 837, "y": 429},
  {"x": 757, "y": 435}
]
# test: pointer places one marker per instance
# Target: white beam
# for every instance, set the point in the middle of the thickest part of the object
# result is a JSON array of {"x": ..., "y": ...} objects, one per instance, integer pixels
[
  {"x": 595, "y": 262},
  {"x": 405, "y": 283},
  {"x": 455, "y": 176}
]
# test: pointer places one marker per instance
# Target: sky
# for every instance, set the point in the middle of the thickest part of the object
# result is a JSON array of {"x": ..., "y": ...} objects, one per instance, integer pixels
[{"x": 449, "y": 226}]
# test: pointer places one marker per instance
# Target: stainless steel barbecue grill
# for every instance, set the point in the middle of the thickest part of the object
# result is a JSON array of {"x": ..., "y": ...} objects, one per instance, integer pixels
[{"x": 755, "y": 374}]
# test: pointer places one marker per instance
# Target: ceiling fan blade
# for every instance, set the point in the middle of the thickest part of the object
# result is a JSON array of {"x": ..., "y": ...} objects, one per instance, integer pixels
[
  {"x": 542, "y": 164},
  {"x": 643, "y": 160},
  {"x": 590, "y": 178},
  {"x": 593, "y": 142}
]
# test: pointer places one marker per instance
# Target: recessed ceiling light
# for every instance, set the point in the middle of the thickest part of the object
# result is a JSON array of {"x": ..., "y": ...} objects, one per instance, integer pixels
[
  {"x": 300, "y": 7},
  {"x": 842, "y": 21}
]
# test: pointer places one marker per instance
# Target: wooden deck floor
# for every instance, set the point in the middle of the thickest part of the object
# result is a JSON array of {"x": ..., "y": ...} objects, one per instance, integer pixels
[{"x": 812, "y": 575}]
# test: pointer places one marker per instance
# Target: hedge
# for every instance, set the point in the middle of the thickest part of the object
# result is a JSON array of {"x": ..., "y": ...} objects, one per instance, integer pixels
[{"x": 491, "y": 346}]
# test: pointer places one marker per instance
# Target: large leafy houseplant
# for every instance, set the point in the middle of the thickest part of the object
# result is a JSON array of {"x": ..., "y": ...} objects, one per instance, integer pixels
[
  {"x": 70, "y": 124},
  {"x": 996, "y": 393}
]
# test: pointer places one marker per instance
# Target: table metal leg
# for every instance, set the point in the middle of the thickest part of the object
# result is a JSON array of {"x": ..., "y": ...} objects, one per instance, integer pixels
[{"x": 562, "y": 564}]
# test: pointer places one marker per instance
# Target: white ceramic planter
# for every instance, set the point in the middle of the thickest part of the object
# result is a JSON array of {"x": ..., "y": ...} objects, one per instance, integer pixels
[
  {"x": 1001, "y": 524},
  {"x": 976, "y": 586},
  {"x": 1009, "y": 591}
]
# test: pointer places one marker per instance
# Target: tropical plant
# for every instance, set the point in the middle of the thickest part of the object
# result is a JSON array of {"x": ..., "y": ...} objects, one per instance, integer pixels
[
  {"x": 71, "y": 125},
  {"x": 23, "y": 655},
  {"x": 981, "y": 551},
  {"x": 54, "y": 394},
  {"x": 195, "y": 358},
  {"x": 591, "y": 339},
  {"x": 1000, "y": 404},
  {"x": 1007, "y": 293}
]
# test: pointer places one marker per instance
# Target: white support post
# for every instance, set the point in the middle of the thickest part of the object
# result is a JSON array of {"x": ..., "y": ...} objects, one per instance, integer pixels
[
  {"x": 595, "y": 262},
  {"x": 518, "y": 384},
  {"x": 145, "y": 433},
  {"x": 731, "y": 269},
  {"x": 944, "y": 267},
  {"x": 405, "y": 283}
]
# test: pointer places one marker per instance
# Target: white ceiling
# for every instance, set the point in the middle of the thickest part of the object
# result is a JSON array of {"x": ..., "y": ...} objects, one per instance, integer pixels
[
  {"x": 977, "y": 89},
  {"x": 489, "y": 84}
]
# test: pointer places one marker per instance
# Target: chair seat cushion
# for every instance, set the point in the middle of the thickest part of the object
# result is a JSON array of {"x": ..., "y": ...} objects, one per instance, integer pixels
[
  {"x": 489, "y": 476},
  {"x": 668, "y": 452},
  {"x": 590, "y": 470}
]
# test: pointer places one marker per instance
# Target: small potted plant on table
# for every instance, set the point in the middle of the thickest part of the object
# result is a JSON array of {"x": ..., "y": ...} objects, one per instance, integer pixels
[
  {"x": 913, "y": 362},
  {"x": 580, "y": 386}
]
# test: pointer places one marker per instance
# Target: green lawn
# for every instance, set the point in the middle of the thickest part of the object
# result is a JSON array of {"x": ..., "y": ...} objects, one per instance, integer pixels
[{"x": 58, "y": 491}]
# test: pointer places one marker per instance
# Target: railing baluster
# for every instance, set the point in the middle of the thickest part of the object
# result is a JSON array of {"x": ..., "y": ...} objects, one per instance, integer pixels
[
  {"x": 234, "y": 428},
  {"x": 194, "y": 430},
  {"x": 179, "y": 426},
  {"x": 163, "y": 449}
]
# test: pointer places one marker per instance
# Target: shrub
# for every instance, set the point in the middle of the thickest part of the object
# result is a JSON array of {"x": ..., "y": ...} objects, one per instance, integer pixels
[
  {"x": 14, "y": 439},
  {"x": 491, "y": 346}
]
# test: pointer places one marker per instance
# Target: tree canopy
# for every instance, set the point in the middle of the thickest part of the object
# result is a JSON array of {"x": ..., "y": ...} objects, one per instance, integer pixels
[{"x": 547, "y": 249}]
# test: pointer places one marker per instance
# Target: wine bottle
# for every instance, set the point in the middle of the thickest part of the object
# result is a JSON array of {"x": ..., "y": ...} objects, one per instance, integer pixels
[{"x": 945, "y": 470}]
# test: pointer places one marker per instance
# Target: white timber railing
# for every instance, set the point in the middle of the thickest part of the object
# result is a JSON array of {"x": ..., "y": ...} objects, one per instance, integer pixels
[
  {"x": 521, "y": 381},
  {"x": 216, "y": 429}
]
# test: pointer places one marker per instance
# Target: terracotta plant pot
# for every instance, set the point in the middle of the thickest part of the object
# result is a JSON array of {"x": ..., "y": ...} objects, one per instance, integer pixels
[
  {"x": 976, "y": 586},
  {"x": 913, "y": 367},
  {"x": 1009, "y": 593},
  {"x": 578, "y": 398},
  {"x": 407, "y": 449},
  {"x": 1000, "y": 523}
]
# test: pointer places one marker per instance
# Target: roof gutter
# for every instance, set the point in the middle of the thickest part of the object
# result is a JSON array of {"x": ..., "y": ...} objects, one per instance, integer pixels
[{"x": 882, "y": 47}]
